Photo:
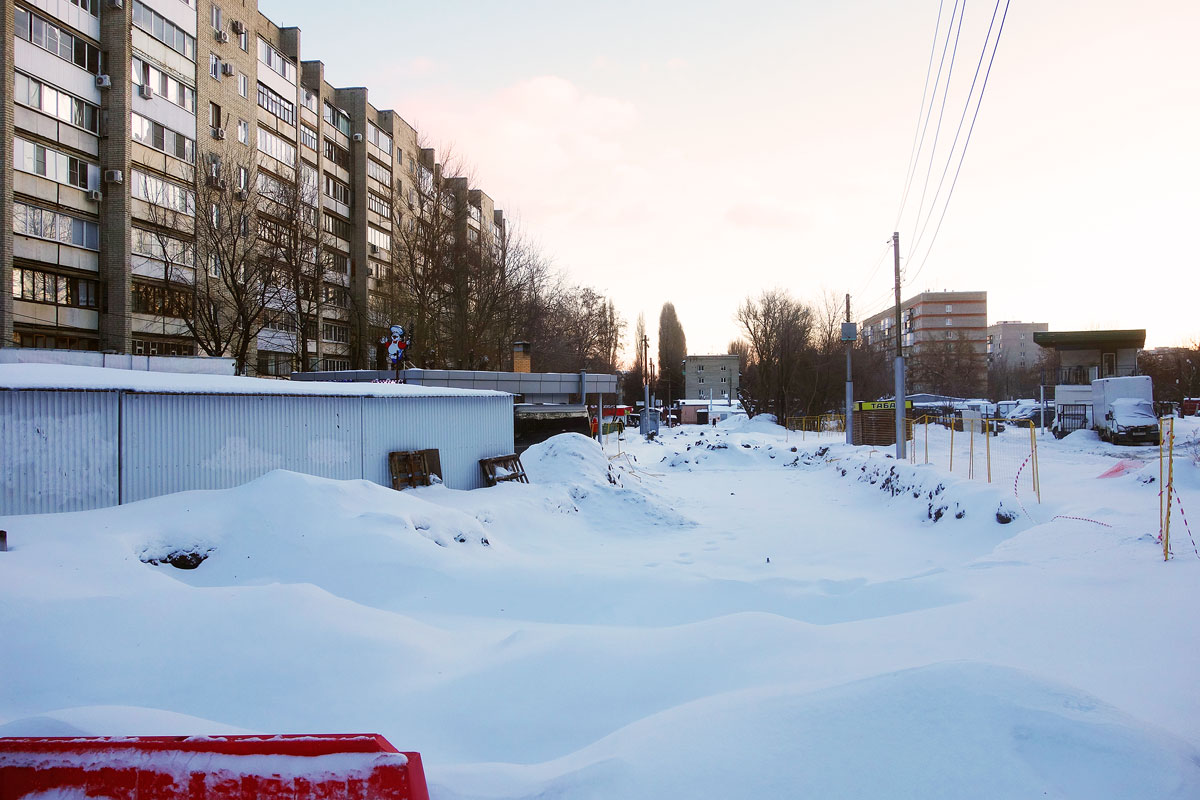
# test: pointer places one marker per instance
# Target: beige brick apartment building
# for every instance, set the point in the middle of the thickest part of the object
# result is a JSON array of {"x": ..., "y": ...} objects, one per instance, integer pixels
[
  {"x": 134, "y": 124},
  {"x": 944, "y": 338}
]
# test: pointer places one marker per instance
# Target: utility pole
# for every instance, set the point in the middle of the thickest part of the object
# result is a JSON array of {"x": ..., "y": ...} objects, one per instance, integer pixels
[
  {"x": 901, "y": 433},
  {"x": 644, "y": 420},
  {"x": 848, "y": 336}
]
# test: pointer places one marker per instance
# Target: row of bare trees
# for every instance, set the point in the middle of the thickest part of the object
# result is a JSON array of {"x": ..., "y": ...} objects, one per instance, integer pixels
[
  {"x": 247, "y": 257},
  {"x": 792, "y": 359}
]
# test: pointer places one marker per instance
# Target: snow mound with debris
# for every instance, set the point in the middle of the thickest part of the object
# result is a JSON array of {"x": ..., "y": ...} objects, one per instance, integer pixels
[{"x": 612, "y": 487}]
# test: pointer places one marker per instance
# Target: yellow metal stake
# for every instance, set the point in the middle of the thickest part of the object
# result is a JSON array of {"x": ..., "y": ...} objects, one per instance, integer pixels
[
  {"x": 987, "y": 438},
  {"x": 1167, "y": 489}
]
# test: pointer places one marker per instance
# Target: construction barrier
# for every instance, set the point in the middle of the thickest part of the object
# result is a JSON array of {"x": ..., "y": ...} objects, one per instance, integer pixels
[
  {"x": 829, "y": 426},
  {"x": 293, "y": 767},
  {"x": 991, "y": 450}
]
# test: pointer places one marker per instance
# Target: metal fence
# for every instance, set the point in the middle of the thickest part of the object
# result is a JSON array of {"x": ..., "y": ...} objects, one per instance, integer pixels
[
  {"x": 69, "y": 450},
  {"x": 992, "y": 450},
  {"x": 820, "y": 426}
]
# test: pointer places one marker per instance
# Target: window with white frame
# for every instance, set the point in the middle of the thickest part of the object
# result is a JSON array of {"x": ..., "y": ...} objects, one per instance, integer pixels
[
  {"x": 69, "y": 170},
  {"x": 276, "y": 61},
  {"x": 43, "y": 223}
]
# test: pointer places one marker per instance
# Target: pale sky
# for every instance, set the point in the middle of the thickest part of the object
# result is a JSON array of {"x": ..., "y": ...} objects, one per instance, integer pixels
[{"x": 699, "y": 152}]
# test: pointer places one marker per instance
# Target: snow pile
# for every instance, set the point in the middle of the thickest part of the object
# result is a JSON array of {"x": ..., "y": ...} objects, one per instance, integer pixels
[
  {"x": 609, "y": 489},
  {"x": 773, "y": 617}
]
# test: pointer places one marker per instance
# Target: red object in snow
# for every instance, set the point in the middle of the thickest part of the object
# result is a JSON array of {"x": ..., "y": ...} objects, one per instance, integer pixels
[{"x": 290, "y": 767}]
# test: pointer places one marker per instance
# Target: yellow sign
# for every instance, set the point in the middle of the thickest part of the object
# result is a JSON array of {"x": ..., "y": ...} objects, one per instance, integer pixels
[{"x": 882, "y": 405}]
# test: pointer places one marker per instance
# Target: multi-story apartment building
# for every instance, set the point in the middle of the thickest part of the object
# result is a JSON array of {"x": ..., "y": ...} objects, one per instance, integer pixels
[
  {"x": 149, "y": 135},
  {"x": 944, "y": 336},
  {"x": 711, "y": 376},
  {"x": 1010, "y": 344}
]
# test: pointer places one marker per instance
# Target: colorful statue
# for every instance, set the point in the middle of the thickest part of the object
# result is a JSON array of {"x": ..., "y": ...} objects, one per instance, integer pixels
[{"x": 397, "y": 343}]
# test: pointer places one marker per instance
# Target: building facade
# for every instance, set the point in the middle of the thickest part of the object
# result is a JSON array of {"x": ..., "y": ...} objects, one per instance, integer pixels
[
  {"x": 163, "y": 150},
  {"x": 943, "y": 338},
  {"x": 1010, "y": 344},
  {"x": 711, "y": 376}
]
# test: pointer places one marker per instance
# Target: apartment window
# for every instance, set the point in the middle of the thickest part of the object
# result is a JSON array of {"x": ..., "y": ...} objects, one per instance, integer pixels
[
  {"x": 38, "y": 286},
  {"x": 309, "y": 99},
  {"x": 159, "y": 300},
  {"x": 243, "y": 85},
  {"x": 158, "y": 27},
  {"x": 276, "y": 147},
  {"x": 275, "y": 61},
  {"x": 273, "y": 363},
  {"x": 472, "y": 235},
  {"x": 335, "y": 226},
  {"x": 55, "y": 102},
  {"x": 244, "y": 40},
  {"x": 164, "y": 85},
  {"x": 90, "y": 6},
  {"x": 60, "y": 42},
  {"x": 308, "y": 183},
  {"x": 243, "y": 181},
  {"x": 378, "y": 171},
  {"x": 332, "y": 332},
  {"x": 949, "y": 322},
  {"x": 338, "y": 155},
  {"x": 337, "y": 190},
  {"x": 153, "y": 134},
  {"x": 214, "y": 66},
  {"x": 49, "y": 163},
  {"x": 275, "y": 104},
  {"x": 308, "y": 137},
  {"x": 161, "y": 247},
  {"x": 42, "y": 223},
  {"x": 337, "y": 118},
  {"x": 949, "y": 308},
  {"x": 162, "y": 193},
  {"x": 214, "y": 117},
  {"x": 339, "y": 262},
  {"x": 337, "y": 295},
  {"x": 156, "y": 347},
  {"x": 215, "y": 17},
  {"x": 243, "y": 131},
  {"x": 380, "y": 239},
  {"x": 378, "y": 138},
  {"x": 379, "y": 205}
]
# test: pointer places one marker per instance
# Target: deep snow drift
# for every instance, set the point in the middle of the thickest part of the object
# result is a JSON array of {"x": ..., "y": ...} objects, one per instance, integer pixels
[{"x": 723, "y": 612}]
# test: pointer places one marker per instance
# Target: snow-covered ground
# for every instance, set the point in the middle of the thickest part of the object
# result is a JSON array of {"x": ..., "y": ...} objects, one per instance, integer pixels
[{"x": 724, "y": 612}]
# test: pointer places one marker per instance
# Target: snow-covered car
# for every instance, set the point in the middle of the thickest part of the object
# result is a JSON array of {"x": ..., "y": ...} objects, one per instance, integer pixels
[{"x": 1131, "y": 420}]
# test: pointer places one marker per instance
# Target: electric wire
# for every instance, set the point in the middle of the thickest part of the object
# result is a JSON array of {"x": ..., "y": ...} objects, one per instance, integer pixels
[
  {"x": 912, "y": 155},
  {"x": 915, "y": 241},
  {"x": 937, "y": 131},
  {"x": 967, "y": 142},
  {"x": 924, "y": 128}
]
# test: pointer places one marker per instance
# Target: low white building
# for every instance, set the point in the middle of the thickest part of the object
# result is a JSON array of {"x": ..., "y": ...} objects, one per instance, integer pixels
[{"x": 76, "y": 438}]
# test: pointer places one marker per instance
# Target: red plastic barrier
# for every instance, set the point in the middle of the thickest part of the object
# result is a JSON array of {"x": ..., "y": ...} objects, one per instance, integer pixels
[{"x": 291, "y": 767}]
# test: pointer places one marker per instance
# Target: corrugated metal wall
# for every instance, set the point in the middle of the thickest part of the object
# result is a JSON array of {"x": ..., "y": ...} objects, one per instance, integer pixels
[
  {"x": 176, "y": 442},
  {"x": 75, "y": 450},
  {"x": 58, "y": 451},
  {"x": 463, "y": 429}
]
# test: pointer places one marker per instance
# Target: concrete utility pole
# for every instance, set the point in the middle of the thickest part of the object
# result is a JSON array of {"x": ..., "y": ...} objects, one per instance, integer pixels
[
  {"x": 644, "y": 420},
  {"x": 847, "y": 330},
  {"x": 901, "y": 434}
]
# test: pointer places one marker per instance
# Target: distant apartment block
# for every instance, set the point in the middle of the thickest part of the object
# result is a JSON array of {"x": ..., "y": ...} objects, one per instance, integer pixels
[
  {"x": 710, "y": 376},
  {"x": 944, "y": 325},
  {"x": 1010, "y": 345},
  {"x": 134, "y": 125}
]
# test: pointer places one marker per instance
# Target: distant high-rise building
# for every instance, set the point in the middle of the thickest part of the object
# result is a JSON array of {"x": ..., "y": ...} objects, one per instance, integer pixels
[{"x": 944, "y": 340}]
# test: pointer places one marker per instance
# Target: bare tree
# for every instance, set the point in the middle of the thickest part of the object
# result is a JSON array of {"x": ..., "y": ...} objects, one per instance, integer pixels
[
  {"x": 295, "y": 245},
  {"x": 231, "y": 288}
]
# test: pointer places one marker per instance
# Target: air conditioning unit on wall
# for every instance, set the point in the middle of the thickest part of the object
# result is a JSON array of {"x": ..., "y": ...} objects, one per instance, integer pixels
[
  {"x": 103, "y": 82},
  {"x": 238, "y": 27},
  {"x": 227, "y": 69},
  {"x": 113, "y": 176},
  {"x": 222, "y": 37},
  {"x": 95, "y": 195},
  {"x": 146, "y": 91}
]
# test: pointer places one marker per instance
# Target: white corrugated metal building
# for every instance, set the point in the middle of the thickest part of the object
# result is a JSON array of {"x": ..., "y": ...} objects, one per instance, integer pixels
[{"x": 75, "y": 438}]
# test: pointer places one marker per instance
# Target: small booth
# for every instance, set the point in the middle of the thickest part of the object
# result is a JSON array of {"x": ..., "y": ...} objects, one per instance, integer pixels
[{"x": 875, "y": 422}]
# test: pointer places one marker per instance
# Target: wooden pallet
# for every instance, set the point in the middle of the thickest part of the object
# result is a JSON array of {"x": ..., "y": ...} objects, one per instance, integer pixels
[
  {"x": 410, "y": 468},
  {"x": 502, "y": 469}
]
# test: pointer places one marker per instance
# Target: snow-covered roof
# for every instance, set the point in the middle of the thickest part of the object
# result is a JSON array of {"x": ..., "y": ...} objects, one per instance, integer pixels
[{"x": 66, "y": 377}]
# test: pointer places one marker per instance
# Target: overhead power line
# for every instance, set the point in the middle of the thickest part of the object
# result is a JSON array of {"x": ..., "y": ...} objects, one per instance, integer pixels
[{"x": 970, "y": 130}]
